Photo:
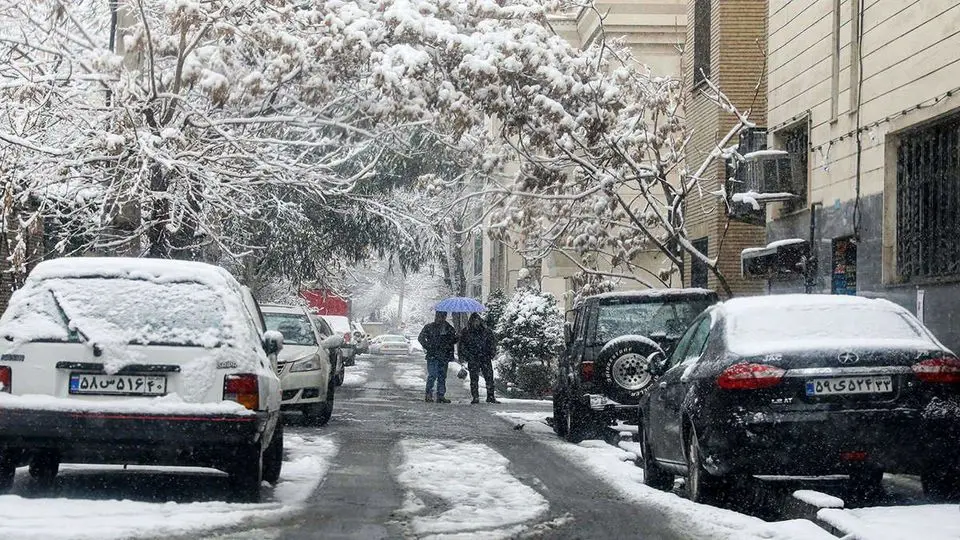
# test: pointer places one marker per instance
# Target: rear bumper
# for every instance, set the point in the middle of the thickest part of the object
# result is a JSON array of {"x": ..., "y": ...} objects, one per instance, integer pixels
[
  {"x": 103, "y": 437},
  {"x": 820, "y": 443},
  {"x": 609, "y": 409}
]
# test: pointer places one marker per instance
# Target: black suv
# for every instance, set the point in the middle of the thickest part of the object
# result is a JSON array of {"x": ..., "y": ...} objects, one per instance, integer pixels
[{"x": 611, "y": 339}]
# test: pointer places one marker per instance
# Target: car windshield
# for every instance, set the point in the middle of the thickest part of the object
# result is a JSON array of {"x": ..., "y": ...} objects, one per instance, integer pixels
[
  {"x": 663, "y": 320},
  {"x": 296, "y": 329},
  {"x": 121, "y": 311}
]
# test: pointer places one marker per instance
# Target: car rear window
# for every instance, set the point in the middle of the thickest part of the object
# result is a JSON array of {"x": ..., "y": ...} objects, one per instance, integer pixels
[
  {"x": 666, "y": 318},
  {"x": 815, "y": 326},
  {"x": 120, "y": 311}
]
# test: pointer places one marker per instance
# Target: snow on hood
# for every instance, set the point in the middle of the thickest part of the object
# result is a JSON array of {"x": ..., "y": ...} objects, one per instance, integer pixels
[{"x": 797, "y": 322}]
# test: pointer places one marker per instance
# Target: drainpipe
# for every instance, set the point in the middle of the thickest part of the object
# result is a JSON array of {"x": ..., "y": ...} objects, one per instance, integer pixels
[{"x": 810, "y": 269}]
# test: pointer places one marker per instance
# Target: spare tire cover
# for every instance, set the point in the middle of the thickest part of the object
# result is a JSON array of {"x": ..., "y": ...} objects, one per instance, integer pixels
[{"x": 623, "y": 366}]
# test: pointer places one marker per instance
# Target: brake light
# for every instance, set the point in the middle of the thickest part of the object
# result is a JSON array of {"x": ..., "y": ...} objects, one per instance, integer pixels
[
  {"x": 244, "y": 389},
  {"x": 6, "y": 379},
  {"x": 745, "y": 376},
  {"x": 586, "y": 371},
  {"x": 938, "y": 370}
]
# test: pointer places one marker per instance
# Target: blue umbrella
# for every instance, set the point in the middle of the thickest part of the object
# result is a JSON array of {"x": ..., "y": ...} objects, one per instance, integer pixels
[{"x": 459, "y": 304}]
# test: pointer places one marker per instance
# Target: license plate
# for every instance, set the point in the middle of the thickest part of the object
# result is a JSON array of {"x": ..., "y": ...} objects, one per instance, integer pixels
[
  {"x": 849, "y": 385},
  {"x": 118, "y": 385}
]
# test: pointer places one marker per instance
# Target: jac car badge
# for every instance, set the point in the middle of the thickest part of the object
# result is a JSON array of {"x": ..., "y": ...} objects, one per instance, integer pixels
[{"x": 848, "y": 358}]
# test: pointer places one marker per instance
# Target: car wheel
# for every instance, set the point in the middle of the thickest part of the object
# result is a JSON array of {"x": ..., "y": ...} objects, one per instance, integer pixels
[
  {"x": 559, "y": 414},
  {"x": 941, "y": 483},
  {"x": 866, "y": 485},
  {"x": 624, "y": 369},
  {"x": 246, "y": 474},
  {"x": 44, "y": 466},
  {"x": 9, "y": 459},
  {"x": 702, "y": 487},
  {"x": 273, "y": 456},
  {"x": 653, "y": 475},
  {"x": 579, "y": 422},
  {"x": 319, "y": 414}
]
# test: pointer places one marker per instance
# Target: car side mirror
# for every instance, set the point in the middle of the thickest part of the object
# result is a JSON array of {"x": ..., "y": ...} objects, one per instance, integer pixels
[
  {"x": 332, "y": 342},
  {"x": 272, "y": 342},
  {"x": 568, "y": 333}
]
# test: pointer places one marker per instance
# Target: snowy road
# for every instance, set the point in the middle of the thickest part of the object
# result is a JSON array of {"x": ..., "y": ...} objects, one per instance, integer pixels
[{"x": 389, "y": 465}]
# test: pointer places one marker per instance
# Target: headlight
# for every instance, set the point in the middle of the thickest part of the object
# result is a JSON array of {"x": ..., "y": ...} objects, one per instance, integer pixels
[{"x": 311, "y": 364}]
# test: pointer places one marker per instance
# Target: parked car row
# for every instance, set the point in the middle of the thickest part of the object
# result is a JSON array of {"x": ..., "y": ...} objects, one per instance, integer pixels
[
  {"x": 773, "y": 385},
  {"x": 144, "y": 361}
]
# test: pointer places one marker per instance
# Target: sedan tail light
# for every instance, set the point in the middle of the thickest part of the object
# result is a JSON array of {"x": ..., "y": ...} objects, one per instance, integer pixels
[
  {"x": 6, "y": 379},
  {"x": 244, "y": 389},
  {"x": 938, "y": 370},
  {"x": 586, "y": 371},
  {"x": 744, "y": 376}
]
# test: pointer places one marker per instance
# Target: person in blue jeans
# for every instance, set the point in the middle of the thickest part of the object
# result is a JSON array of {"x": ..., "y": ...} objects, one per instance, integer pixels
[{"x": 438, "y": 340}]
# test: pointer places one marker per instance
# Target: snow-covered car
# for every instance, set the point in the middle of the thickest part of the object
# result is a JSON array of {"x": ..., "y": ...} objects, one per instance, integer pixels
[
  {"x": 117, "y": 360},
  {"x": 610, "y": 343},
  {"x": 361, "y": 339},
  {"x": 305, "y": 366},
  {"x": 341, "y": 325},
  {"x": 389, "y": 344},
  {"x": 336, "y": 358},
  {"x": 803, "y": 385}
]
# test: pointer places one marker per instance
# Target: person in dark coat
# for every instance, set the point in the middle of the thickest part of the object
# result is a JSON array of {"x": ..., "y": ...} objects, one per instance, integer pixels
[
  {"x": 478, "y": 346},
  {"x": 438, "y": 340}
]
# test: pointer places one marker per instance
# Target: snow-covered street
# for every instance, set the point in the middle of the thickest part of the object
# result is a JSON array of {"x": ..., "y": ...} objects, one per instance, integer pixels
[{"x": 105, "y": 502}]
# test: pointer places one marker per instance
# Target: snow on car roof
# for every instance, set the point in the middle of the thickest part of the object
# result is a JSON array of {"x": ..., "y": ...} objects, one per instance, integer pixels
[
  {"x": 280, "y": 308},
  {"x": 652, "y": 293},
  {"x": 130, "y": 268},
  {"x": 763, "y": 324}
]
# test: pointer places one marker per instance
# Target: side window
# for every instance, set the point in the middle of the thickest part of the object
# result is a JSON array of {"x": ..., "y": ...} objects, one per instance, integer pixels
[
  {"x": 699, "y": 339},
  {"x": 681, "y": 349}
]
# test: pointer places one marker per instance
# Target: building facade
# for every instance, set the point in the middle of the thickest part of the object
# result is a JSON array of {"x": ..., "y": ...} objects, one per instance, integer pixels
[
  {"x": 655, "y": 30},
  {"x": 865, "y": 96},
  {"x": 726, "y": 44}
]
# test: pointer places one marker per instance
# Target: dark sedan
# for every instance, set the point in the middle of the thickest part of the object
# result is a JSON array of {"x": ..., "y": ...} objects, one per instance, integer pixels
[{"x": 803, "y": 385}]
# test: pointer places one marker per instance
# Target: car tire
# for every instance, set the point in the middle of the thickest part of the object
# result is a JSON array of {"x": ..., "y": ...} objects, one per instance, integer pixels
[
  {"x": 653, "y": 474},
  {"x": 44, "y": 466},
  {"x": 941, "y": 483},
  {"x": 866, "y": 485},
  {"x": 319, "y": 414},
  {"x": 580, "y": 423},
  {"x": 702, "y": 487},
  {"x": 246, "y": 474},
  {"x": 9, "y": 459},
  {"x": 624, "y": 369},
  {"x": 559, "y": 413},
  {"x": 273, "y": 456}
]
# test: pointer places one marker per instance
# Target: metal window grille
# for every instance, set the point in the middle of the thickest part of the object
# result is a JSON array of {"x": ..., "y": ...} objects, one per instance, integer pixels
[
  {"x": 796, "y": 141},
  {"x": 928, "y": 202},
  {"x": 701, "y": 40}
]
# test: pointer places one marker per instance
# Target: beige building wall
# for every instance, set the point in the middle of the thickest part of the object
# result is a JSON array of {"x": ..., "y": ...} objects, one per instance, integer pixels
[{"x": 737, "y": 50}]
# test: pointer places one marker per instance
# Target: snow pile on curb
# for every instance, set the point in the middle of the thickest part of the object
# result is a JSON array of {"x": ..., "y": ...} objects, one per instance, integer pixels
[
  {"x": 614, "y": 467},
  {"x": 79, "y": 519},
  {"x": 930, "y": 522},
  {"x": 479, "y": 497}
]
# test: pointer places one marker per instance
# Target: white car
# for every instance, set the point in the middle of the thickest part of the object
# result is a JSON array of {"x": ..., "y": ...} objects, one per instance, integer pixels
[
  {"x": 341, "y": 326},
  {"x": 389, "y": 344},
  {"x": 139, "y": 361},
  {"x": 305, "y": 367}
]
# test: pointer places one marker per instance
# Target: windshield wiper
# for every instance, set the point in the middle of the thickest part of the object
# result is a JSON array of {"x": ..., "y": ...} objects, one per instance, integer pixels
[{"x": 72, "y": 326}]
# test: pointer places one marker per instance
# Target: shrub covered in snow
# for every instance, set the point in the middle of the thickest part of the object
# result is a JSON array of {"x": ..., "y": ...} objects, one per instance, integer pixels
[
  {"x": 530, "y": 331},
  {"x": 496, "y": 303}
]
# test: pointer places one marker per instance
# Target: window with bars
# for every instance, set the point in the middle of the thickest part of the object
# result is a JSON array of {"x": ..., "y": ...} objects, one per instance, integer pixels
[
  {"x": 702, "y": 14},
  {"x": 928, "y": 201},
  {"x": 478, "y": 254},
  {"x": 796, "y": 141}
]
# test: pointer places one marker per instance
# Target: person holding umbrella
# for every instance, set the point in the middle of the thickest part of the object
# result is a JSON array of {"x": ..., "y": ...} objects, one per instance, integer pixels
[
  {"x": 478, "y": 346},
  {"x": 438, "y": 340}
]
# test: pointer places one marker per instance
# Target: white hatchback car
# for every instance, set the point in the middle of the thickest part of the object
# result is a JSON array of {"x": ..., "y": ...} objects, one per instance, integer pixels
[
  {"x": 306, "y": 365},
  {"x": 140, "y": 361}
]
